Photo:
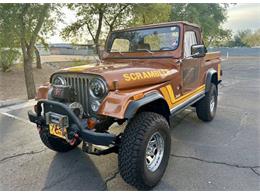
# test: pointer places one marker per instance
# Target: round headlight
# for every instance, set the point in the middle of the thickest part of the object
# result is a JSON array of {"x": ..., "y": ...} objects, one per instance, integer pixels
[
  {"x": 95, "y": 106},
  {"x": 59, "y": 81},
  {"x": 97, "y": 88}
]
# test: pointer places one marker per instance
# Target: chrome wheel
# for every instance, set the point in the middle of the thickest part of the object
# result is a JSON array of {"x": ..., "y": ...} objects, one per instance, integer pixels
[
  {"x": 212, "y": 104},
  {"x": 154, "y": 151}
]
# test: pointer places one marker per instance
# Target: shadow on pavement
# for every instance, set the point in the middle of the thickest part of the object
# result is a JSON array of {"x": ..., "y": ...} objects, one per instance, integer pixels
[{"x": 73, "y": 171}]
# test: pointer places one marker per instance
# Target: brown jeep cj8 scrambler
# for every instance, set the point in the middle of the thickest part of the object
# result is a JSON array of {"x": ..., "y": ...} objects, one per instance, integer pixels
[{"x": 147, "y": 75}]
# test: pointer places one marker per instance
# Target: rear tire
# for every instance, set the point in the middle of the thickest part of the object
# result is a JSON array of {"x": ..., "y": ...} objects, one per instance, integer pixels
[
  {"x": 144, "y": 150},
  {"x": 55, "y": 143},
  {"x": 207, "y": 106}
]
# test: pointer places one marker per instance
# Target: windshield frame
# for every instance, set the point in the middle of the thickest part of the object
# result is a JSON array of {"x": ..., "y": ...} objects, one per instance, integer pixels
[{"x": 143, "y": 51}]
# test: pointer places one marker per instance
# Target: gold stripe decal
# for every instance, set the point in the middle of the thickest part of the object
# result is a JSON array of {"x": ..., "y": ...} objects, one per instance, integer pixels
[
  {"x": 168, "y": 94},
  {"x": 170, "y": 91},
  {"x": 219, "y": 69},
  {"x": 194, "y": 92}
]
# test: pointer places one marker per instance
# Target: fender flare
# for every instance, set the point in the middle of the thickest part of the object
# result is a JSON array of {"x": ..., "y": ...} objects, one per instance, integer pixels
[
  {"x": 209, "y": 76},
  {"x": 135, "y": 105}
]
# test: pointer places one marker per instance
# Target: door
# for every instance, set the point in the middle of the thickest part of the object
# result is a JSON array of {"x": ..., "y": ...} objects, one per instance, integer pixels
[{"x": 190, "y": 67}]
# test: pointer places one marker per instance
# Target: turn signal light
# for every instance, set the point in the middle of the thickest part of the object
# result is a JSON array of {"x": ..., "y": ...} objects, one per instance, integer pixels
[
  {"x": 138, "y": 96},
  {"x": 91, "y": 122}
]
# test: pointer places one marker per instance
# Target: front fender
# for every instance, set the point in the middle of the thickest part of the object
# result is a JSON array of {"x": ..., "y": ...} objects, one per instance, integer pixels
[
  {"x": 135, "y": 105},
  {"x": 122, "y": 104}
]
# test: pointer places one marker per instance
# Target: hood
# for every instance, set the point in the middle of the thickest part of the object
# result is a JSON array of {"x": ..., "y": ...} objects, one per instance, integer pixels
[{"x": 127, "y": 75}]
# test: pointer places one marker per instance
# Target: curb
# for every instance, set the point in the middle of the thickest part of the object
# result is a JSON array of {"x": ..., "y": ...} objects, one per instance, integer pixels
[
  {"x": 18, "y": 105},
  {"x": 11, "y": 102}
]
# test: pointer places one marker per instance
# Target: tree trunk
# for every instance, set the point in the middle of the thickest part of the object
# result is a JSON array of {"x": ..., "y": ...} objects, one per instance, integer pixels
[
  {"x": 144, "y": 21},
  {"x": 28, "y": 48},
  {"x": 28, "y": 74},
  {"x": 98, "y": 50},
  {"x": 38, "y": 58},
  {"x": 208, "y": 42},
  {"x": 96, "y": 40}
]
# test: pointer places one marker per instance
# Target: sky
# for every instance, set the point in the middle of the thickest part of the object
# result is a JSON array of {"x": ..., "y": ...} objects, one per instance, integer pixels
[
  {"x": 243, "y": 16},
  {"x": 239, "y": 17}
]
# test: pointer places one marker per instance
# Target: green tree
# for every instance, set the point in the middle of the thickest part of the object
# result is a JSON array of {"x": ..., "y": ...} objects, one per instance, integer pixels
[
  {"x": 240, "y": 38},
  {"x": 93, "y": 18},
  {"x": 21, "y": 24},
  {"x": 8, "y": 45},
  {"x": 117, "y": 16},
  {"x": 251, "y": 39},
  {"x": 209, "y": 16},
  {"x": 245, "y": 38},
  {"x": 150, "y": 13},
  {"x": 48, "y": 29},
  {"x": 8, "y": 57},
  {"x": 222, "y": 38}
]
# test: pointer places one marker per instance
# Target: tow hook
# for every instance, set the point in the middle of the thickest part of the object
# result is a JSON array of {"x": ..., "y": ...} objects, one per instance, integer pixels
[{"x": 72, "y": 137}]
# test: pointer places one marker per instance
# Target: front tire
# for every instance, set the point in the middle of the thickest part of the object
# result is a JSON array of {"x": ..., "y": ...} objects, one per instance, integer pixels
[
  {"x": 144, "y": 150},
  {"x": 55, "y": 143},
  {"x": 207, "y": 106}
]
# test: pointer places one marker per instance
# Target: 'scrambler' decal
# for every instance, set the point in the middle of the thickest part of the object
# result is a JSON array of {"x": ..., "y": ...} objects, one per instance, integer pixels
[{"x": 144, "y": 75}]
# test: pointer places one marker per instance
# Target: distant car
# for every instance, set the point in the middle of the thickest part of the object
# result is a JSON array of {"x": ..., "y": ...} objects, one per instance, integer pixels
[{"x": 148, "y": 74}]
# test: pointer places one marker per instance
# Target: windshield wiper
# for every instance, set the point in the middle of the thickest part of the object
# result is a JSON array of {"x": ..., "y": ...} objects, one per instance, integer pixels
[{"x": 145, "y": 50}]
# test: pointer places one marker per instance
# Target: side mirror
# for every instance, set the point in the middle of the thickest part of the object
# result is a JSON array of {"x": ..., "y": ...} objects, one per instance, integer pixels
[{"x": 198, "y": 51}]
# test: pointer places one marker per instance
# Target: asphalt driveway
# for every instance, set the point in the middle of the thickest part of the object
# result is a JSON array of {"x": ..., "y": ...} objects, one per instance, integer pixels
[{"x": 221, "y": 155}]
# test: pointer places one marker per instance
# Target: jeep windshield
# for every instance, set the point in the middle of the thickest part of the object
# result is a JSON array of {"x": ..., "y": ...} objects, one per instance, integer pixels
[{"x": 144, "y": 40}]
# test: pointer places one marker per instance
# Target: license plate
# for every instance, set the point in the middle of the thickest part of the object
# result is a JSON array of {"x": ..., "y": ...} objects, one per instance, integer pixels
[{"x": 57, "y": 131}]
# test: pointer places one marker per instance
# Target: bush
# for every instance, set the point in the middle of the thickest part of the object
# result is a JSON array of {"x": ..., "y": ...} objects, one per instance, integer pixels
[{"x": 8, "y": 57}]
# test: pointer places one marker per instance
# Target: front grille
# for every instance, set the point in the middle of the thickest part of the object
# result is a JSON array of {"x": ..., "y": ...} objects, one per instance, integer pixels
[{"x": 80, "y": 85}]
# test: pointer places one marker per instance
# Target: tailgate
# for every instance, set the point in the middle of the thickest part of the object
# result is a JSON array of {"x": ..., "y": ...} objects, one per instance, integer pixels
[{"x": 212, "y": 56}]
